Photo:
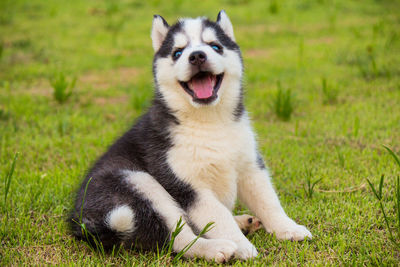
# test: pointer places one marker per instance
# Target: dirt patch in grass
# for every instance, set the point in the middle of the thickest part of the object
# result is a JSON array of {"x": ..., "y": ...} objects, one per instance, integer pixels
[
  {"x": 322, "y": 40},
  {"x": 257, "y": 53},
  {"x": 41, "y": 87},
  {"x": 106, "y": 79},
  {"x": 110, "y": 100},
  {"x": 38, "y": 255}
]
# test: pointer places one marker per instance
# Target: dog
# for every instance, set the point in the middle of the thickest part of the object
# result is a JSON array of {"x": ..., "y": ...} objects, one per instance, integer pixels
[{"x": 188, "y": 158}]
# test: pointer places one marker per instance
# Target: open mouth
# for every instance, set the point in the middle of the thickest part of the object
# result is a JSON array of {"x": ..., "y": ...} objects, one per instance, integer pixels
[{"x": 203, "y": 87}]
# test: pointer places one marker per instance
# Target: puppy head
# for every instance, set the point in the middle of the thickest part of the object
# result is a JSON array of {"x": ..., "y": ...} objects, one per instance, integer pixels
[{"x": 196, "y": 60}]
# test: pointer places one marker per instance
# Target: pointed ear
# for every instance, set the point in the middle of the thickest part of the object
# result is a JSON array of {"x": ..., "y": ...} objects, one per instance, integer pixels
[
  {"x": 225, "y": 24},
  {"x": 158, "y": 31}
]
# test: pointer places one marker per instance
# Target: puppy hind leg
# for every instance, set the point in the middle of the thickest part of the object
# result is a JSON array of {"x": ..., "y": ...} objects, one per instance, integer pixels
[{"x": 220, "y": 250}]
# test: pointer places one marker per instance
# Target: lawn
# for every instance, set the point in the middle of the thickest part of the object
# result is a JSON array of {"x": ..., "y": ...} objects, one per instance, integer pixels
[{"x": 337, "y": 62}]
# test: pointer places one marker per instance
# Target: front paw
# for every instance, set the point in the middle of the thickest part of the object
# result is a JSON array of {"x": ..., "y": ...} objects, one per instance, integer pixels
[
  {"x": 245, "y": 250},
  {"x": 292, "y": 231},
  {"x": 219, "y": 250}
]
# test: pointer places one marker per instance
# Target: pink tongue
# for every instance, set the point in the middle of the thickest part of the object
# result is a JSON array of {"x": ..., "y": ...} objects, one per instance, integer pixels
[{"x": 203, "y": 87}]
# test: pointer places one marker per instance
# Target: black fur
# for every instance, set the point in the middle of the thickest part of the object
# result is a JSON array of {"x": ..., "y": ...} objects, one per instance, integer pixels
[
  {"x": 260, "y": 161},
  {"x": 219, "y": 15},
  {"x": 142, "y": 148},
  {"x": 239, "y": 110},
  {"x": 163, "y": 20},
  {"x": 221, "y": 36},
  {"x": 168, "y": 43}
]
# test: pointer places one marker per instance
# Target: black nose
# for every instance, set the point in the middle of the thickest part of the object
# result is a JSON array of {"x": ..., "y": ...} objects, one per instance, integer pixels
[{"x": 197, "y": 58}]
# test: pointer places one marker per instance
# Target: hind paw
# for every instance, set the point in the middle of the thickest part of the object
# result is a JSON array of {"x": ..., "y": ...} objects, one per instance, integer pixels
[{"x": 248, "y": 224}]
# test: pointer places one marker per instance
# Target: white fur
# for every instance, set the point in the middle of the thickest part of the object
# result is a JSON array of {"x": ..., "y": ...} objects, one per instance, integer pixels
[
  {"x": 121, "y": 219},
  {"x": 215, "y": 148},
  {"x": 219, "y": 250},
  {"x": 226, "y": 25},
  {"x": 208, "y": 35},
  {"x": 158, "y": 32},
  {"x": 180, "y": 40}
]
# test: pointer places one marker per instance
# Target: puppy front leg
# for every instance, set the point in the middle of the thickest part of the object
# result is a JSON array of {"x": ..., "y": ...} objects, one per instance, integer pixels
[
  {"x": 209, "y": 209},
  {"x": 256, "y": 192}
]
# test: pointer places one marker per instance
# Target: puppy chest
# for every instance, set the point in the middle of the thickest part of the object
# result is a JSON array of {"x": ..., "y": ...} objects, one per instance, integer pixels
[{"x": 207, "y": 157}]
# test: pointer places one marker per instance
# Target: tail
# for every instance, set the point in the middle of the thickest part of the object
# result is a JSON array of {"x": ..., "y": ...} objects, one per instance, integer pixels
[{"x": 97, "y": 234}]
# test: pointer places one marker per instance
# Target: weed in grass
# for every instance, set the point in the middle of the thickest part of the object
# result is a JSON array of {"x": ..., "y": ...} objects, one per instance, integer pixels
[
  {"x": 309, "y": 185},
  {"x": 283, "y": 103},
  {"x": 329, "y": 93},
  {"x": 368, "y": 67},
  {"x": 378, "y": 193},
  {"x": 4, "y": 114},
  {"x": 62, "y": 88},
  {"x": 340, "y": 157},
  {"x": 167, "y": 250},
  {"x": 273, "y": 7}
]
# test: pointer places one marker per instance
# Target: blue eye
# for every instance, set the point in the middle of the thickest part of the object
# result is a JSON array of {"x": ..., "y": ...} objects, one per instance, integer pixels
[
  {"x": 177, "y": 54},
  {"x": 216, "y": 48}
]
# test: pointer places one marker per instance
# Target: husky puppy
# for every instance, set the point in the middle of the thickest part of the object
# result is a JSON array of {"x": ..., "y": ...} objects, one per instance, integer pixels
[{"x": 190, "y": 156}]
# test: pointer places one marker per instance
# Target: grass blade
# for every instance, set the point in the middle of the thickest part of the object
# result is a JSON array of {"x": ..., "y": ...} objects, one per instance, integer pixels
[
  {"x": 373, "y": 189},
  {"x": 180, "y": 254},
  {"x": 398, "y": 204},
  {"x": 175, "y": 233},
  {"x": 395, "y": 157},
  {"x": 8, "y": 178},
  {"x": 83, "y": 199},
  {"x": 381, "y": 186}
]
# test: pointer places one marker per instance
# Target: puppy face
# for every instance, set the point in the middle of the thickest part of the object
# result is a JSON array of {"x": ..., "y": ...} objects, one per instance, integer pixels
[{"x": 196, "y": 60}]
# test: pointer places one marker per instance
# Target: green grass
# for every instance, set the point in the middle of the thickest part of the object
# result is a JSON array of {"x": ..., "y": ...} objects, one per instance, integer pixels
[{"x": 354, "y": 45}]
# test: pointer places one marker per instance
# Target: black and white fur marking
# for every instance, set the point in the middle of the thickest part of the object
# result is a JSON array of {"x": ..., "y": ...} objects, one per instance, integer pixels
[{"x": 190, "y": 156}]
